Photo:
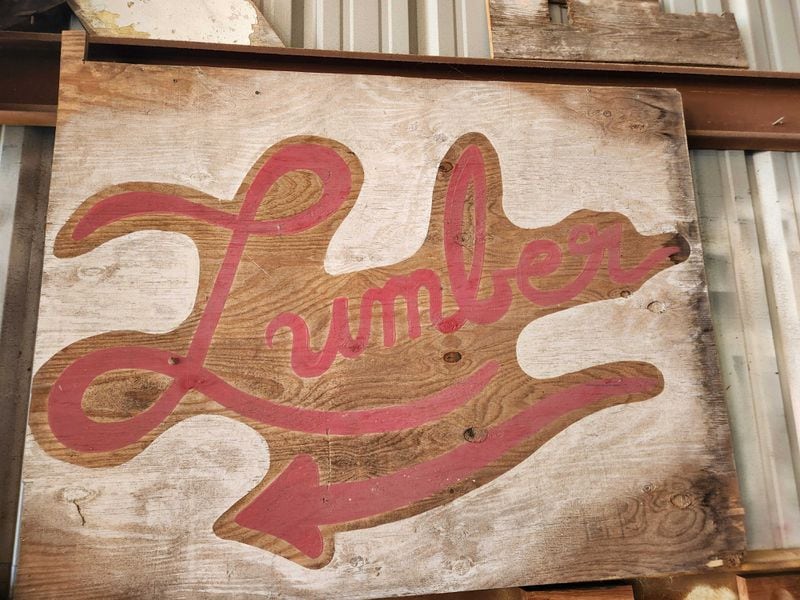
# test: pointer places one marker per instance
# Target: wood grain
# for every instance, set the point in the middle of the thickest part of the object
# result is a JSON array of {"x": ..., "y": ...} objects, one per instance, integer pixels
[
  {"x": 637, "y": 482},
  {"x": 636, "y": 31}
]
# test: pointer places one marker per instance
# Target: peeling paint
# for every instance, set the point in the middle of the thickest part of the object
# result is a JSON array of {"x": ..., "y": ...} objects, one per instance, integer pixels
[
  {"x": 213, "y": 21},
  {"x": 106, "y": 22}
]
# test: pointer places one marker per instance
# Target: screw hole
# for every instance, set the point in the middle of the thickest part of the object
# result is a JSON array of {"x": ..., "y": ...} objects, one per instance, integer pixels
[
  {"x": 475, "y": 435},
  {"x": 451, "y": 357}
]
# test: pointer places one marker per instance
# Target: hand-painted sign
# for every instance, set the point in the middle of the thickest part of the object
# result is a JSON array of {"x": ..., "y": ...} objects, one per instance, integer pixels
[
  {"x": 475, "y": 272},
  {"x": 391, "y": 393}
]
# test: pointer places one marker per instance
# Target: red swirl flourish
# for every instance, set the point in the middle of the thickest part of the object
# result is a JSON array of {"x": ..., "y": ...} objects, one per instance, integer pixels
[{"x": 73, "y": 428}]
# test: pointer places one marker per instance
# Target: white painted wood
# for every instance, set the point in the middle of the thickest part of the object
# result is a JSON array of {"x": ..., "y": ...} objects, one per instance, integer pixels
[
  {"x": 747, "y": 352},
  {"x": 212, "y": 21},
  {"x": 10, "y": 160}
]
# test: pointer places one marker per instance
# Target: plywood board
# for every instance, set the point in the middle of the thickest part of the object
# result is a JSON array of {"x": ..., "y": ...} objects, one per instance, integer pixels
[
  {"x": 620, "y": 31},
  {"x": 211, "y": 21},
  {"x": 315, "y": 334}
]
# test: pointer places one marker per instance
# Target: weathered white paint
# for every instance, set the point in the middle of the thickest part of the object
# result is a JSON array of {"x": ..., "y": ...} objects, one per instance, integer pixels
[{"x": 229, "y": 22}]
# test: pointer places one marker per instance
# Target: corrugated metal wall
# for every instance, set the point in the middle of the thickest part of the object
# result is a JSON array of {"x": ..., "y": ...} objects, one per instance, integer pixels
[
  {"x": 749, "y": 205},
  {"x": 10, "y": 160}
]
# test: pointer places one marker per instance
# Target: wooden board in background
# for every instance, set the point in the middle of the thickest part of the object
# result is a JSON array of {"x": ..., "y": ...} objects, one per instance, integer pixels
[
  {"x": 528, "y": 392},
  {"x": 618, "y": 31},
  {"x": 212, "y": 21}
]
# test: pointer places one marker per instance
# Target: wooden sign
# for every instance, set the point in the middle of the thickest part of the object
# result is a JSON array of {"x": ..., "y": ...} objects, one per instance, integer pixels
[{"x": 327, "y": 334}]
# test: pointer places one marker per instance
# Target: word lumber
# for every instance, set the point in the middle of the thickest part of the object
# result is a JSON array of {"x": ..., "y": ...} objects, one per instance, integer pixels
[{"x": 382, "y": 393}]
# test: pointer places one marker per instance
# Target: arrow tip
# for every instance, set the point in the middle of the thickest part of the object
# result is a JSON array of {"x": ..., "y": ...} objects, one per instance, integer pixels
[{"x": 289, "y": 507}]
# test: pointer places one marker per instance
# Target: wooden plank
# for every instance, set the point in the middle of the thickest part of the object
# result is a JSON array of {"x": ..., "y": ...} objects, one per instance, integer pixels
[
  {"x": 228, "y": 22},
  {"x": 614, "y": 30},
  {"x": 479, "y": 455}
]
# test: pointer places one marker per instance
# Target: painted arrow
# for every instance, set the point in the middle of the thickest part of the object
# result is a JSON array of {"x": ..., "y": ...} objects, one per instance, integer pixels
[{"x": 294, "y": 506}]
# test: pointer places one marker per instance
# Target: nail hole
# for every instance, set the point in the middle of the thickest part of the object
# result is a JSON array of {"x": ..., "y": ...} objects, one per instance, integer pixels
[
  {"x": 173, "y": 360},
  {"x": 257, "y": 92},
  {"x": 625, "y": 293},
  {"x": 657, "y": 307},
  {"x": 475, "y": 435},
  {"x": 452, "y": 357}
]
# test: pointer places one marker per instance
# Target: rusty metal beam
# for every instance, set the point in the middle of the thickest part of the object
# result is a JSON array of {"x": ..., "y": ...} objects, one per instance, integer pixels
[{"x": 725, "y": 109}]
